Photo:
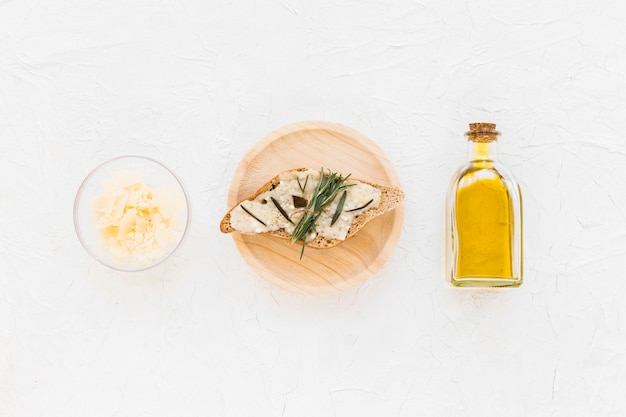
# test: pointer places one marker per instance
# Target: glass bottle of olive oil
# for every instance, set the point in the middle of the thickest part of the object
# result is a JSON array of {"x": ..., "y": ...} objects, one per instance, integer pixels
[{"x": 484, "y": 217}]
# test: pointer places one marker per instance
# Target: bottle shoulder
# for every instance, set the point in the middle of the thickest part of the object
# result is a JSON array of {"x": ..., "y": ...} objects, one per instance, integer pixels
[
  {"x": 471, "y": 167},
  {"x": 484, "y": 170}
]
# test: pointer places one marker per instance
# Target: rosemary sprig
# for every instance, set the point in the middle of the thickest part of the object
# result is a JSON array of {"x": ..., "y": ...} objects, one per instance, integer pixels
[
  {"x": 250, "y": 213},
  {"x": 329, "y": 186},
  {"x": 302, "y": 187},
  {"x": 339, "y": 209},
  {"x": 362, "y": 207},
  {"x": 282, "y": 211}
]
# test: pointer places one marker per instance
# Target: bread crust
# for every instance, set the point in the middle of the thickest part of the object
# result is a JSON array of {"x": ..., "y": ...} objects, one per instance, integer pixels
[{"x": 391, "y": 197}]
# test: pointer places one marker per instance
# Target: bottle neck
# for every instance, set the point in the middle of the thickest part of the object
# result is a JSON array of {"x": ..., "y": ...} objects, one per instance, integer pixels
[{"x": 483, "y": 150}]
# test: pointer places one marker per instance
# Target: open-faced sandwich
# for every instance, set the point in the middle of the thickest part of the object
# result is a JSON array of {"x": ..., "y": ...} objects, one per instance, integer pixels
[{"x": 319, "y": 209}]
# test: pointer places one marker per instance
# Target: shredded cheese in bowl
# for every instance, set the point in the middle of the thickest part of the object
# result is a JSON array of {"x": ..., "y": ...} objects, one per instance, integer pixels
[{"x": 131, "y": 214}]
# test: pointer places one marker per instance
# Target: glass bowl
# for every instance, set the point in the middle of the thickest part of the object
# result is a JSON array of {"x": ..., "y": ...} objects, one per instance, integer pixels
[{"x": 131, "y": 213}]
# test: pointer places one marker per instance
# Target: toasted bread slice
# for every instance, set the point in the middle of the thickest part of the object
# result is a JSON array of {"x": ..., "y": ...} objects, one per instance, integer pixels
[{"x": 385, "y": 198}]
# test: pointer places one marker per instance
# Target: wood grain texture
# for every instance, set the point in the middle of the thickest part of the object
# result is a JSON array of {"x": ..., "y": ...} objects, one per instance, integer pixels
[{"x": 316, "y": 144}]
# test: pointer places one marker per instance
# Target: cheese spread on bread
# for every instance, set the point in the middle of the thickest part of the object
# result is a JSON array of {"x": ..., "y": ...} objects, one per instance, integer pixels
[{"x": 261, "y": 214}]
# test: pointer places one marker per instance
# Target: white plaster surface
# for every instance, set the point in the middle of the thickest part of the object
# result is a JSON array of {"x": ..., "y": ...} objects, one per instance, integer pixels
[{"x": 195, "y": 84}]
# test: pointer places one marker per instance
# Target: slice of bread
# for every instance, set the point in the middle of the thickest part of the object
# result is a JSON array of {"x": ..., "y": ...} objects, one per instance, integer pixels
[{"x": 390, "y": 198}]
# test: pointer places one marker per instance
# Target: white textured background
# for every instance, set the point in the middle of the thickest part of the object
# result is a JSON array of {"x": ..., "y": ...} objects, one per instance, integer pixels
[{"x": 195, "y": 84}]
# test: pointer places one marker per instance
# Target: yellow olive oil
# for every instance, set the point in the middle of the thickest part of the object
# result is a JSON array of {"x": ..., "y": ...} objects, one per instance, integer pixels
[{"x": 484, "y": 218}]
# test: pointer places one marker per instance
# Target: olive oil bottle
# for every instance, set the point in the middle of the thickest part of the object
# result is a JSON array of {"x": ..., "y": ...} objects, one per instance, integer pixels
[{"x": 484, "y": 217}]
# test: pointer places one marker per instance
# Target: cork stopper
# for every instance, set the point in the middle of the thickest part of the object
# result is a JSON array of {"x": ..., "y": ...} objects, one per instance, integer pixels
[
  {"x": 482, "y": 132},
  {"x": 482, "y": 127}
]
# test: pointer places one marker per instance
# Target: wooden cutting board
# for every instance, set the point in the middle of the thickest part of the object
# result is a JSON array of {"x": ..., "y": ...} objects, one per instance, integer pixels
[{"x": 317, "y": 144}]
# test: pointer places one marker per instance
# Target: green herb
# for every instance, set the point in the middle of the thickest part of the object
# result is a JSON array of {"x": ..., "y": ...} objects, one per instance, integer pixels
[
  {"x": 302, "y": 187},
  {"x": 329, "y": 186},
  {"x": 283, "y": 212},
  {"x": 342, "y": 201},
  {"x": 362, "y": 207},
  {"x": 255, "y": 217}
]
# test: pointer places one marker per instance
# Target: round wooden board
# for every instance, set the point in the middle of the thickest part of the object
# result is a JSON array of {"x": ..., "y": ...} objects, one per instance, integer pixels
[{"x": 317, "y": 144}]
